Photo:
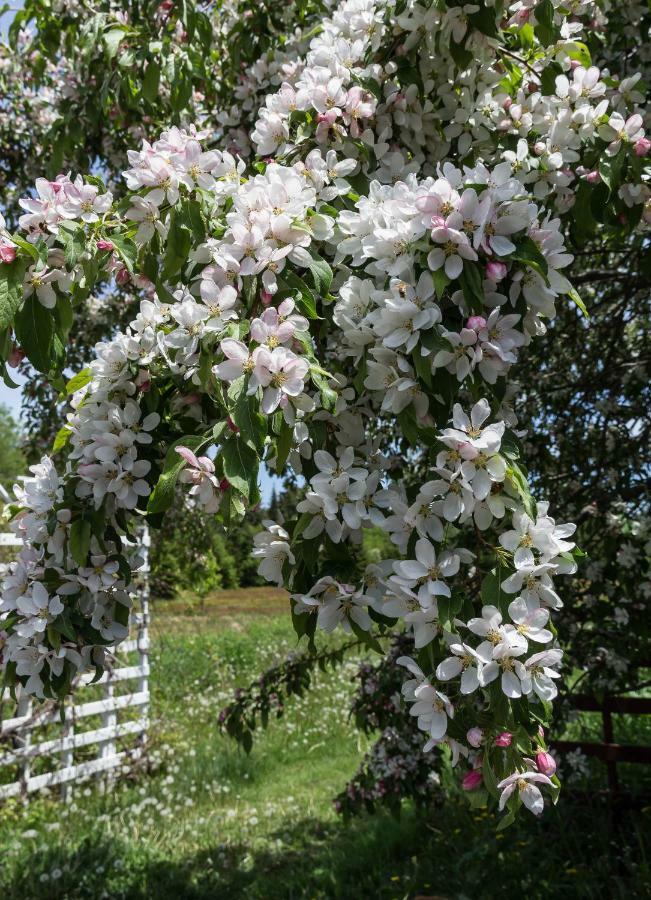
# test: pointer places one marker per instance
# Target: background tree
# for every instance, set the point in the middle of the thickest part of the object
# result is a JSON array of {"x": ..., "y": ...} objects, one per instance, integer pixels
[{"x": 12, "y": 458}]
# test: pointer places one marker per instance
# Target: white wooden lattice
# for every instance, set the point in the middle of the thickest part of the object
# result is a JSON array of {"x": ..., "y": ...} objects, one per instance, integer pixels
[{"x": 105, "y": 727}]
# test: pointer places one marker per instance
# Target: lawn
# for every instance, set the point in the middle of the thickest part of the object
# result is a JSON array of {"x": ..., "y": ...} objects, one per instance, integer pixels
[{"x": 209, "y": 822}]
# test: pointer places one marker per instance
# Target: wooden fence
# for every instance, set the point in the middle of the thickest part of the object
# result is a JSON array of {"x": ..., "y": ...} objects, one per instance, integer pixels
[
  {"x": 609, "y": 751},
  {"x": 104, "y": 729}
]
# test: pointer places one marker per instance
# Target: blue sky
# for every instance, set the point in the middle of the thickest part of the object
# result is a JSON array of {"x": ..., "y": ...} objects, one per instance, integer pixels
[{"x": 12, "y": 398}]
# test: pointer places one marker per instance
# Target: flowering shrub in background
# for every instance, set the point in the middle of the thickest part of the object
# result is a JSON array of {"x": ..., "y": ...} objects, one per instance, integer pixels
[{"x": 347, "y": 305}]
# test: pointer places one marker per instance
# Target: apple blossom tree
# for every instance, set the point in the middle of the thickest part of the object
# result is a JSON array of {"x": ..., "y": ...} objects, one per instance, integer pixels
[{"x": 348, "y": 303}]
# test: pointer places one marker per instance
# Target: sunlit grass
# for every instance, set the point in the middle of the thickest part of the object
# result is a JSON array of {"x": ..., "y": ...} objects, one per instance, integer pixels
[{"x": 209, "y": 822}]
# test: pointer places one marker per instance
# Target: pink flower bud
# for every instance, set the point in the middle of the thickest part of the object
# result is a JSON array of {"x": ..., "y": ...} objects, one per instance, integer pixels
[
  {"x": 574, "y": 64},
  {"x": 642, "y": 146},
  {"x": 475, "y": 736},
  {"x": 122, "y": 276},
  {"x": 593, "y": 177},
  {"x": 508, "y": 102},
  {"x": 476, "y": 323},
  {"x": 539, "y": 148},
  {"x": 496, "y": 271},
  {"x": 546, "y": 763},
  {"x": 232, "y": 426},
  {"x": 105, "y": 245},
  {"x": 7, "y": 253},
  {"x": 224, "y": 484},
  {"x": 472, "y": 780},
  {"x": 504, "y": 739},
  {"x": 266, "y": 298},
  {"x": 16, "y": 356},
  {"x": 143, "y": 378}
]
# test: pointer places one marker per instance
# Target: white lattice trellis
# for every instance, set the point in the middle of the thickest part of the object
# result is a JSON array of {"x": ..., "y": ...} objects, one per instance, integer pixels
[{"x": 103, "y": 730}]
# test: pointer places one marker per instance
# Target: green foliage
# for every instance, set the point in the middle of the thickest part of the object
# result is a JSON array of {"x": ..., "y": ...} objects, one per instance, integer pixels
[
  {"x": 193, "y": 552},
  {"x": 12, "y": 457}
]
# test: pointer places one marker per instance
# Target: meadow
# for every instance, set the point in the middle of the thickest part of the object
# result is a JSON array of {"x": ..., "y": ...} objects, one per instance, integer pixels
[{"x": 207, "y": 821}]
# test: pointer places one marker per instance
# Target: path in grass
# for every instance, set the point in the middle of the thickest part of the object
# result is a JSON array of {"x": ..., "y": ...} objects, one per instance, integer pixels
[{"x": 209, "y": 822}]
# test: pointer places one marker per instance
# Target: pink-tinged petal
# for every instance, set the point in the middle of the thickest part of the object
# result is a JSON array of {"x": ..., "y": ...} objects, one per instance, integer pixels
[
  {"x": 228, "y": 370},
  {"x": 533, "y": 799},
  {"x": 270, "y": 400},
  {"x": 234, "y": 349},
  {"x": 188, "y": 456},
  {"x": 453, "y": 266},
  {"x": 506, "y": 793},
  {"x": 511, "y": 685},
  {"x": 449, "y": 668},
  {"x": 206, "y": 464}
]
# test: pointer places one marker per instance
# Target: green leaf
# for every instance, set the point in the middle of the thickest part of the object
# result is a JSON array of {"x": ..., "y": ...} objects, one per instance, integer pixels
[
  {"x": 241, "y": 465},
  {"x": 112, "y": 41},
  {"x": 328, "y": 395},
  {"x": 519, "y": 480},
  {"x": 490, "y": 780},
  {"x": 204, "y": 30},
  {"x": 492, "y": 593},
  {"x": 179, "y": 242},
  {"x": 528, "y": 253},
  {"x": 34, "y": 330},
  {"x": 578, "y": 50},
  {"x": 611, "y": 167},
  {"x": 485, "y": 21},
  {"x": 506, "y": 821},
  {"x": 306, "y": 301},
  {"x": 73, "y": 236},
  {"x": 575, "y": 298},
  {"x": 162, "y": 497},
  {"x": 422, "y": 365},
  {"x": 545, "y": 30},
  {"x": 322, "y": 275},
  {"x": 583, "y": 223},
  {"x": 11, "y": 290},
  {"x": 62, "y": 438},
  {"x": 246, "y": 415},
  {"x": 441, "y": 281},
  {"x": 284, "y": 445},
  {"x": 80, "y": 534},
  {"x": 526, "y": 37},
  {"x": 408, "y": 425},
  {"x": 460, "y": 55},
  {"x": 126, "y": 250},
  {"x": 79, "y": 381},
  {"x": 472, "y": 284},
  {"x": 548, "y": 78},
  {"x": 63, "y": 316},
  {"x": 26, "y": 246},
  {"x": 151, "y": 81}
]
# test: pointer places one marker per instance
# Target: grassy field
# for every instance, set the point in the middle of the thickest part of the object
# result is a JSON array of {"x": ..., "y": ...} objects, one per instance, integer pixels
[{"x": 210, "y": 822}]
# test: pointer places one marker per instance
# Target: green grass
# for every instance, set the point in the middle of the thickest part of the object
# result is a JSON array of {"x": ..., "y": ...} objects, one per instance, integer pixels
[{"x": 209, "y": 822}]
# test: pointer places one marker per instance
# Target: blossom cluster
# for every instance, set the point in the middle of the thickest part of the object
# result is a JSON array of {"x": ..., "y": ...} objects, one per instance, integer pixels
[{"x": 350, "y": 309}]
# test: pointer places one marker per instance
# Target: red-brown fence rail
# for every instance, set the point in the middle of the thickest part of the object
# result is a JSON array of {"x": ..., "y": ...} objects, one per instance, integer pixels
[{"x": 609, "y": 751}]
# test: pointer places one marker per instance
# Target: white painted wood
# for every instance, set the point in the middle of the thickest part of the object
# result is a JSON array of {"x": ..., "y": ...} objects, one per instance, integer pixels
[{"x": 20, "y": 746}]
